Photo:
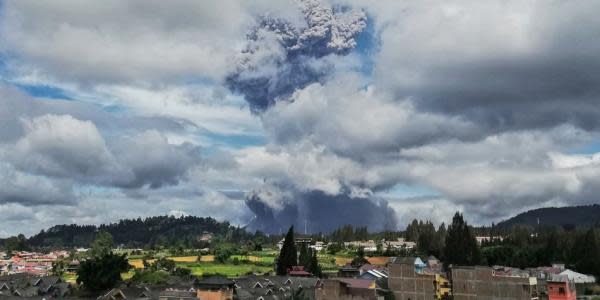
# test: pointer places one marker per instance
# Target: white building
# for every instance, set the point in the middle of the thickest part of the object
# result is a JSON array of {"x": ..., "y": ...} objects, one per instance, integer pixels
[{"x": 578, "y": 277}]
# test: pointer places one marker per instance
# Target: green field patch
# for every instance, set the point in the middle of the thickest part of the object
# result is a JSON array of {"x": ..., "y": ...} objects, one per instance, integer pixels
[{"x": 229, "y": 270}]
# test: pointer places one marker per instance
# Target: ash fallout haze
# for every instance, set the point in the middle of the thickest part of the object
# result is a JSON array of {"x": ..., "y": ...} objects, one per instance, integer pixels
[{"x": 308, "y": 113}]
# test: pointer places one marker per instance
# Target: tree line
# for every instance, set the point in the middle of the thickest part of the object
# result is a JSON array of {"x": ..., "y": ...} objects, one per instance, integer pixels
[
  {"x": 152, "y": 232},
  {"x": 518, "y": 246},
  {"x": 288, "y": 257}
]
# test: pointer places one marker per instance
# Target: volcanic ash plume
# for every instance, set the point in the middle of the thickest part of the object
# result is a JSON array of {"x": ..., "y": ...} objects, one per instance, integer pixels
[{"x": 280, "y": 58}]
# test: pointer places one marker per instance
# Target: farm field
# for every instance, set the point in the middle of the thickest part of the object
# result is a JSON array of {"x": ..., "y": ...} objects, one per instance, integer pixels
[
  {"x": 229, "y": 270},
  {"x": 255, "y": 261}
]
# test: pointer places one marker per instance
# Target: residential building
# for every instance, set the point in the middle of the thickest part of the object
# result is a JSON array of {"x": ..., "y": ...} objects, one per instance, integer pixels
[
  {"x": 578, "y": 277},
  {"x": 559, "y": 287},
  {"x": 125, "y": 292},
  {"x": 407, "y": 281},
  {"x": 373, "y": 272},
  {"x": 25, "y": 285},
  {"x": 481, "y": 283},
  {"x": 318, "y": 246},
  {"x": 368, "y": 246},
  {"x": 176, "y": 295},
  {"x": 348, "y": 271},
  {"x": 298, "y": 271},
  {"x": 400, "y": 243},
  {"x": 299, "y": 241},
  {"x": 347, "y": 289},
  {"x": 215, "y": 288},
  {"x": 275, "y": 287}
]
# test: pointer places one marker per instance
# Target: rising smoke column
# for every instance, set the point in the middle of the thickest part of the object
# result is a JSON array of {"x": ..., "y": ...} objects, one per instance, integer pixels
[
  {"x": 316, "y": 211},
  {"x": 281, "y": 58}
]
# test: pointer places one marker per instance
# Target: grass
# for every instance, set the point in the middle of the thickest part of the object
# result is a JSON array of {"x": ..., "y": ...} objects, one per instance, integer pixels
[
  {"x": 255, "y": 259},
  {"x": 229, "y": 270},
  {"x": 127, "y": 275},
  {"x": 155, "y": 277},
  {"x": 69, "y": 277},
  {"x": 186, "y": 259}
]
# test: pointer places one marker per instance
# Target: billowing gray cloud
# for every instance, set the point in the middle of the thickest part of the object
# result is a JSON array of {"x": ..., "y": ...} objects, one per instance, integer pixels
[
  {"x": 37, "y": 141},
  {"x": 281, "y": 58},
  {"x": 64, "y": 147},
  {"x": 505, "y": 66},
  {"x": 27, "y": 190}
]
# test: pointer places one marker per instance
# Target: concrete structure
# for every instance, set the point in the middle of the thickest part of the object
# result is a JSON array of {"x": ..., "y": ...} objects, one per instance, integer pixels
[
  {"x": 480, "y": 283},
  {"x": 347, "y": 289},
  {"x": 559, "y": 287},
  {"x": 407, "y": 281},
  {"x": 214, "y": 288}
]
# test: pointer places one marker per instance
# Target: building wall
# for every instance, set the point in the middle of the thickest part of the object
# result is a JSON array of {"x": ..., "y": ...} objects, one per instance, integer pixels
[
  {"x": 561, "y": 291},
  {"x": 406, "y": 284},
  {"x": 214, "y": 295},
  {"x": 335, "y": 290},
  {"x": 480, "y": 283},
  {"x": 443, "y": 287}
]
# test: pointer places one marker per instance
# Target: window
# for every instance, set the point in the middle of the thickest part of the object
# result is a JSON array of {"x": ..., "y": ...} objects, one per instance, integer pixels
[{"x": 561, "y": 290}]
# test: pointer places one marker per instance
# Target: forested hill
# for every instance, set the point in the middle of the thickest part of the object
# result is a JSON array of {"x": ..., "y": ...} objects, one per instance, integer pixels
[
  {"x": 572, "y": 216},
  {"x": 153, "y": 231}
]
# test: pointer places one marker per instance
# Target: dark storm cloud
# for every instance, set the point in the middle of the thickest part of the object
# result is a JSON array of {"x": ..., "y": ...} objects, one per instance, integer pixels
[
  {"x": 281, "y": 58},
  {"x": 320, "y": 212},
  {"x": 515, "y": 94},
  {"x": 508, "y": 67},
  {"x": 33, "y": 191}
]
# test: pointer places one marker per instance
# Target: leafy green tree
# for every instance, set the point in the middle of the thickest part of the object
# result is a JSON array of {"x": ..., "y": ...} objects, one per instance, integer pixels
[
  {"x": 412, "y": 231},
  {"x": 586, "y": 253},
  {"x": 102, "y": 272},
  {"x": 58, "y": 267},
  {"x": 313, "y": 266},
  {"x": 288, "y": 255},
  {"x": 304, "y": 258},
  {"x": 102, "y": 245},
  {"x": 222, "y": 253},
  {"x": 16, "y": 243},
  {"x": 334, "y": 247},
  {"x": 461, "y": 247},
  {"x": 440, "y": 240},
  {"x": 426, "y": 239},
  {"x": 165, "y": 264},
  {"x": 359, "y": 259}
]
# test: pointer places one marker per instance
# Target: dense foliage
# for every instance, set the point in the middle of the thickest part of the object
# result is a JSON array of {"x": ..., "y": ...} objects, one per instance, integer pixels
[
  {"x": 571, "y": 217},
  {"x": 288, "y": 255},
  {"x": 102, "y": 272},
  {"x": 16, "y": 243},
  {"x": 429, "y": 241},
  {"x": 461, "y": 247},
  {"x": 152, "y": 232},
  {"x": 518, "y": 246},
  {"x": 102, "y": 245}
]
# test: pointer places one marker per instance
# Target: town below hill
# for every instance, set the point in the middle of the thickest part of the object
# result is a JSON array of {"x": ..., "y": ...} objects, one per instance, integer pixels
[{"x": 214, "y": 260}]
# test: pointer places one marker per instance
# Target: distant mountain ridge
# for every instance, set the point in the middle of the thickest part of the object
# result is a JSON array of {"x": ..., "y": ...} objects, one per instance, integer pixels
[
  {"x": 152, "y": 231},
  {"x": 577, "y": 216}
]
